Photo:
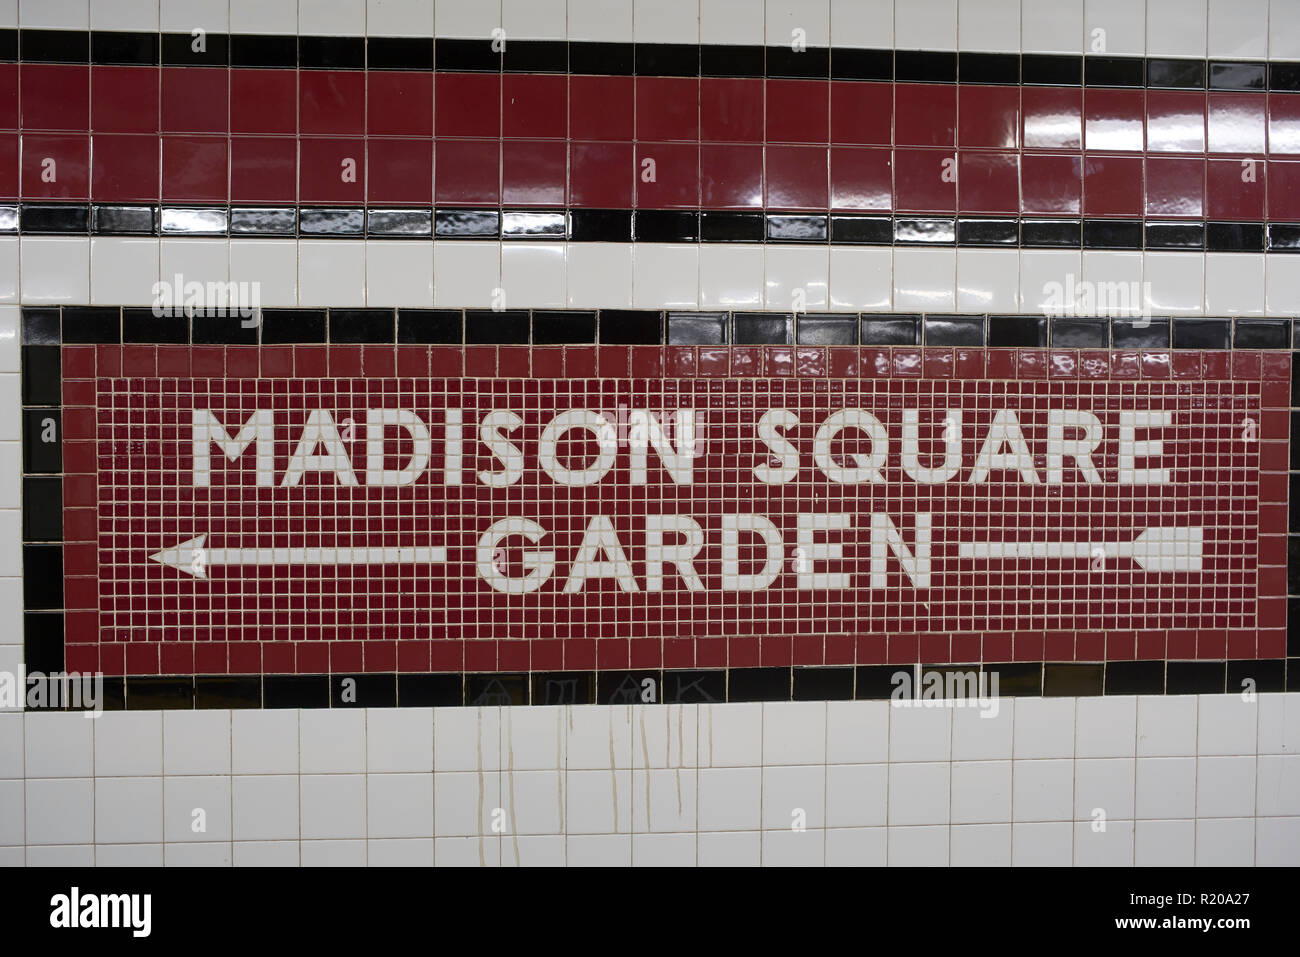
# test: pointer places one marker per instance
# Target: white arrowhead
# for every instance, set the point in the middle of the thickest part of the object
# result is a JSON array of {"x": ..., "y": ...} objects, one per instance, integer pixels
[
  {"x": 1167, "y": 550},
  {"x": 188, "y": 556}
]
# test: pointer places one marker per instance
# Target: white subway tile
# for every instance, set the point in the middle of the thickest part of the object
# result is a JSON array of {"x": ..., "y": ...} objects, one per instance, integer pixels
[
  {"x": 333, "y": 806},
  {"x": 128, "y": 810},
  {"x": 196, "y": 809},
  {"x": 1042, "y": 844},
  {"x": 265, "y": 808}
]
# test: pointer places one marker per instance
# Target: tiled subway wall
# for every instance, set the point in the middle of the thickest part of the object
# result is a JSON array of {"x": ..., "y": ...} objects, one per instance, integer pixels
[{"x": 727, "y": 204}]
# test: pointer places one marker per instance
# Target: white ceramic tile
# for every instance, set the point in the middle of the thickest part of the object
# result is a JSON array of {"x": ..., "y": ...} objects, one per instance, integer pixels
[
  {"x": 1227, "y": 724},
  {"x": 665, "y": 736},
  {"x": 605, "y": 21},
  {"x": 128, "y": 810},
  {"x": 1114, "y": 27},
  {"x": 399, "y": 739},
  {"x": 1176, "y": 28},
  {"x": 1051, "y": 26},
  {"x": 331, "y": 18},
  {"x": 925, "y": 24},
  {"x": 1103, "y": 789},
  {"x": 197, "y": 742},
  {"x": 196, "y": 261},
  {"x": 599, "y": 736},
  {"x": 128, "y": 855},
  {"x": 536, "y": 851},
  {"x": 264, "y": 742},
  {"x": 399, "y": 805},
  {"x": 861, "y": 279},
  {"x": 332, "y": 739},
  {"x": 924, "y": 279},
  {"x": 10, "y": 322},
  {"x": 1111, "y": 846},
  {"x": 1282, "y": 286},
  {"x": 400, "y": 852},
  {"x": 1044, "y": 273},
  {"x": 988, "y": 280},
  {"x": 331, "y": 272},
  {"x": 666, "y": 21},
  {"x": 664, "y": 799},
  {"x": 663, "y": 850},
  {"x": 1116, "y": 281},
  {"x": 1165, "y": 788},
  {"x": 1106, "y": 727},
  {"x": 1175, "y": 283},
  {"x": 9, "y": 268},
  {"x": 1279, "y": 785},
  {"x": 467, "y": 852},
  {"x": 1225, "y": 786},
  {"x": 1164, "y": 843},
  {"x": 794, "y": 21},
  {"x": 1046, "y": 844},
  {"x": 1225, "y": 842},
  {"x": 796, "y": 278},
  {"x": 54, "y": 14},
  {"x": 741, "y": 849},
  {"x": 665, "y": 276},
  {"x": 1166, "y": 725},
  {"x": 11, "y": 812},
  {"x": 989, "y": 25},
  {"x": 920, "y": 734},
  {"x": 729, "y": 798},
  {"x": 272, "y": 264},
  {"x": 1284, "y": 30},
  {"x": 1044, "y": 727},
  {"x": 69, "y": 855},
  {"x": 1238, "y": 28},
  {"x": 982, "y": 733},
  {"x": 466, "y": 803},
  {"x": 267, "y": 854},
  {"x": 981, "y": 845},
  {"x": 399, "y": 18},
  {"x": 535, "y": 802},
  {"x": 857, "y": 795},
  {"x": 333, "y": 853},
  {"x": 534, "y": 19},
  {"x": 731, "y": 277},
  {"x": 865, "y": 24},
  {"x": 1234, "y": 284},
  {"x": 54, "y": 269},
  {"x": 140, "y": 16},
  {"x": 196, "y": 808},
  {"x": 265, "y": 807},
  {"x": 918, "y": 794},
  {"x": 11, "y": 745},
  {"x": 600, "y": 275},
  {"x": 857, "y": 732},
  {"x": 467, "y": 739},
  {"x": 981, "y": 792},
  {"x": 11, "y": 559},
  {"x": 123, "y": 271},
  {"x": 264, "y": 16},
  {"x": 794, "y": 732},
  {"x": 128, "y": 743},
  {"x": 9, "y": 20},
  {"x": 794, "y": 797},
  {"x": 469, "y": 274},
  {"x": 59, "y": 744},
  {"x": 731, "y": 22},
  {"x": 789, "y": 848},
  {"x": 731, "y": 735},
  {"x": 185, "y": 16},
  {"x": 333, "y": 805},
  {"x": 918, "y": 846},
  {"x": 60, "y": 811},
  {"x": 1043, "y": 790},
  {"x": 1279, "y": 724},
  {"x": 198, "y": 855},
  {"x": 473, "y": 19},
  {"x": 599, "y": 850},
  {"x": 1277, "y": 841}
]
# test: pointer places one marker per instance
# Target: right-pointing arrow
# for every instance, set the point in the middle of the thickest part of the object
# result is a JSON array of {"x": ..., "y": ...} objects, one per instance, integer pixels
[{"x": 1155, "y": 550}]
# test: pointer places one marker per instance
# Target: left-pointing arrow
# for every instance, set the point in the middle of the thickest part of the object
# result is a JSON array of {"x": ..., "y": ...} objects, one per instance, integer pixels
[{"x": 195, "y": 558}]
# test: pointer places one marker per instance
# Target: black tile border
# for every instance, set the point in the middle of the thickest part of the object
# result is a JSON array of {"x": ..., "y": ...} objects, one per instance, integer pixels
[
  {"x": 581, "y": 225},
  {"x": 483, "y": 55}
]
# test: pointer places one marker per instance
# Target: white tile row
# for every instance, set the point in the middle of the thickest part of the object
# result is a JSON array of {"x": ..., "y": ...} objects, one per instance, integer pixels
[
  {"x": 1196, "y": 28},
  {"x": 528, "y": 274}
]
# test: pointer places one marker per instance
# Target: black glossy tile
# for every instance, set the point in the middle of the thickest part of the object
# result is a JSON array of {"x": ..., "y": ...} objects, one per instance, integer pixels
[
  {"x": 8, "y": 46},
  {"x": 758, "y": 684},
  {"x": 362, "y": 325},
  {"x": 415, "y": 223},
  {"x": 889, "y": 330},
  {"x": 1139, "y": 333},
  {"x": 485, "y": 326},
  {"x": 42, "y": 577},
  {"x": 54, "y": 46},
  {"x": 1114, "y": 71},
  {"x": 259, "y": 50},
  {"x": 456, "y": 55},
  {"x": 1135, "y": 677},
  {"x": 954, "y": 331},
  {"x": 535, "y": 56},
  {"x": 363, "y": 691},
  {"x": 124, "y": 220},
  {"x": 718, "y": 60},
  {"x": 1048, "y": 69},
  {"x": 430, "y": 691},
  {"x": 1265, "y": 674},
  {"x": 850, "y": 64},
  {"x": 551, "y": 688},
  {"x": 1015, "y": 679},
  {"x": 533, "y": 225},
  {"x": 295, "y": 691},
  {"x": 1234, "y": 237},
  {"x": 40, "y": 325},
  {"x": 334, "y": 221},
  {"x": 862, "y": 230},
  {"x": 879, "y": 682},
  {"x": 119, "y": 48},
  {"x": 826, "y": 330},
  {"x": 811, "y": 63},
  {"x": 925, "y": 66},
  {"x": 1072, "y": 680},
  {"x": 560, "y": 327},
  {"x": 626, "y": 327},
  {"x": 600, "y": 225},
  {"x": 1284, "y": 237},
  {"x": 1175, "y": 74},
  {"x": 988, "y": 69},
  {"x": 1293, "y": 542},
  {"x": 54, "y": 218},
  {"x": 1237, "y": 75},
  {"x": 42, "y": 508},
  {"x": 668, "y": 226},
  {"x": 1017, "y": 331},
  {"x": 629, "y": 687},
  {"x": 667, "y": 59},
  {"x": 1196, "y": 677},
  {"x": 757, "y": 328},
  {"x": 228, "y": 691},
  {"x": 430, "y": 326},
  {"x": 788, "y": 228},
  {"x": 1175, "y": 235},
  {"x": 1202, "y": 333},
  {"x": 184, "y": 49},
  {"x": 730, "y": 227},
  {"x": 223, "y": 330},
  {"x": 42, "y": 441},
  {"x": 987, "y": 232},
  {"x": 925, "y": 230},
  {"x": 694, "y": 687},
  {"x": 1295, "y": 467},
  {"x": 159, "y": 693},
  {"x": 399, "y": 53},
  {"x": 114, "y": 693},
  {"x": 1079, "y": 333},
  {"x": 1292, "y": 628},
  {"x": 496, "y": 690},
  {"x": 263, "y": 221},
  {"x": 43, "y": 641},
  {"x": 467, "y": 223},
  {"x": 1065, "y": 233},
  {"x": 1112, "y": 234},
  {"x": 1284, "y": 76},
  {"x": 193, "y": 220},
  {"x": 142, "y": 326},
  {"x": 822, "y": 684},
  {"x": 1262, "y": 334},
  {"x": 42, "y": 375},
  {"x": 87, "y": 324},
  {"x": 602, "y": 59},
  {"x": 697, "y": 328},
  {"x": 285, "y": 326}
]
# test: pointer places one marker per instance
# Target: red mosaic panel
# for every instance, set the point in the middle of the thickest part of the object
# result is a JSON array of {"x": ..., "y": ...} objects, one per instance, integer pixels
[{"x": 836, "y": 506}]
